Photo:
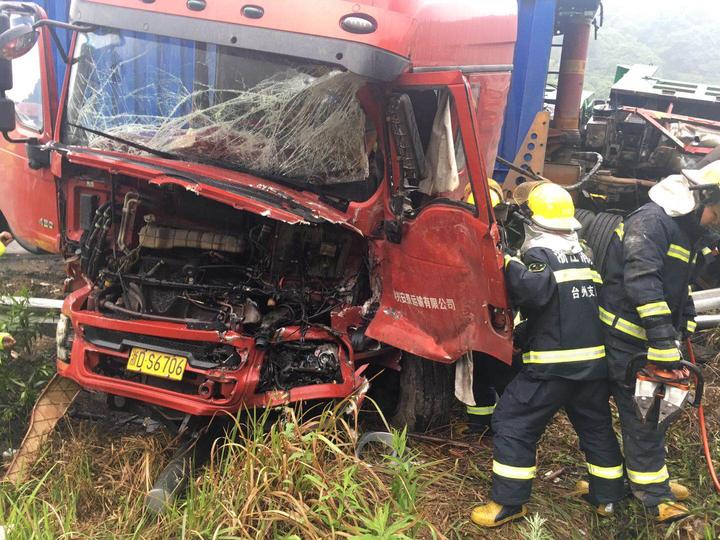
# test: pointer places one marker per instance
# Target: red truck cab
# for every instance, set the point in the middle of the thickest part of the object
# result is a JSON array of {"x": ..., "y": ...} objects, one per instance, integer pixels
[{"x": 258, "y": 202}]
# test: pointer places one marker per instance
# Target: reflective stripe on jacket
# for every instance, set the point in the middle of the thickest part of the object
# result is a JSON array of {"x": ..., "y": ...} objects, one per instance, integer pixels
[
  {"x": 557, "y": 293},
  {"x": 649, "y": 263}
]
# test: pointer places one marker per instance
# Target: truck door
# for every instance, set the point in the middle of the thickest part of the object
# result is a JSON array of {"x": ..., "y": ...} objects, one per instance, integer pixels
[
  {"x": 443, "y": 291},
  {"x": 28, "y": 201}
]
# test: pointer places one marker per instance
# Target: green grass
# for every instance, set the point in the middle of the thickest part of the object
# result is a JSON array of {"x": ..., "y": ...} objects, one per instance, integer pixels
[
  {"x": 24, "y": 374},
  {"x": 287, "y": 479},
  {"x": 298, "y": 479}
]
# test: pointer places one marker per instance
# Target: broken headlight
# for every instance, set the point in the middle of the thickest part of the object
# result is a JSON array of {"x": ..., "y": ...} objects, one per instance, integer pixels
[{"x": 64, "y": 335}]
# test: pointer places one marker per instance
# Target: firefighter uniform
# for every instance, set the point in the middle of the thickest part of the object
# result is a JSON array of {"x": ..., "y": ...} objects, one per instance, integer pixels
[
  {"x": 490, "y": 377},
  {"x": 563, "y": 368},
  {"x": 645, "y": 305}
]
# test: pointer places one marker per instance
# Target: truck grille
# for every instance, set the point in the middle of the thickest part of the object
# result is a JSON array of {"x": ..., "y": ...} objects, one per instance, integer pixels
[{"x": 200, "y": 354}]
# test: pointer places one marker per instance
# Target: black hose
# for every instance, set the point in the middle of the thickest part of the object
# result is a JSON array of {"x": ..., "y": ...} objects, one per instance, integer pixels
[
  {"x": 590, "y": 173},
  {"x": 125, "y": 311},
  {"x": 527, "y": 172}
]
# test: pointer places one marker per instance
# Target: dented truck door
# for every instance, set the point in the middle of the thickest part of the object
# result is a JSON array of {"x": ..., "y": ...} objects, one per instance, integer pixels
[
  {"x": 440, "y": 262},
  {"x": 29, "y": 202}
]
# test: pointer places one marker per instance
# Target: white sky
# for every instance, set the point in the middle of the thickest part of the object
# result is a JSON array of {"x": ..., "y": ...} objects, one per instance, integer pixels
[{"x": 668, "y": 6}]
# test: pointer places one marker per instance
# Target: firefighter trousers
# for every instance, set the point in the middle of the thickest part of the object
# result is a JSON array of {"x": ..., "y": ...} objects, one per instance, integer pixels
[
  {"x": 521, "y": 416},
  {"x": 490, "y": 377},
  {"x": 643, "y": 443}
]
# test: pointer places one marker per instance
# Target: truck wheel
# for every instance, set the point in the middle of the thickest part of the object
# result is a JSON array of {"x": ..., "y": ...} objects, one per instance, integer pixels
[
  {"x": 426, "y": 394},
  {"x": 598, "y": 236},
  {"x": 585, "y": 217}
]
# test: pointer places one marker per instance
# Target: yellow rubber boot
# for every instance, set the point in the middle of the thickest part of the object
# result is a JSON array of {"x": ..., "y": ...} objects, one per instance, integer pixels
[
  {"x": 680, "y": 492},
  {"x": 668, "y": 512},
  {"x": 493, "y": 514}
]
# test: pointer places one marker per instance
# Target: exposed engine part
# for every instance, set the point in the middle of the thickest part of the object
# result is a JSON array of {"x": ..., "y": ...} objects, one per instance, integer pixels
[
  {"x": 194, "y": 262},
  {"x": 165, "y": 255},
  {"x": 127, "y": 222},
  {"x": 270, "y": 322},
  {"x": 299, "y": 363},
  {"x": 632, "y": 145},
  {"x": 155, "y": 237},
  {"x": 112, "y": 307},
  {"x": 94, "y": 240}
]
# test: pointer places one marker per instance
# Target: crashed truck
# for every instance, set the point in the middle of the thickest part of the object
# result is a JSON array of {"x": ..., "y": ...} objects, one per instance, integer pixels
[{"x": 262, "y": 204}]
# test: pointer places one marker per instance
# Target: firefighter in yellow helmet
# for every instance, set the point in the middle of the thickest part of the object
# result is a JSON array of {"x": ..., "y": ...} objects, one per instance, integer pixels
[
  {"x": 490, "y": 375},
  {"x": 496, "y": 193},
  {"x": 6, "y": 340},
  {"x": 555, "y": 287}
]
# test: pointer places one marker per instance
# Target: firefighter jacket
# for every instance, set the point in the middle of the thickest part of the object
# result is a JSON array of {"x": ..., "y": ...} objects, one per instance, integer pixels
[
  {"x": 557, "y": 293},
  {"x": 649, "y": 264}
]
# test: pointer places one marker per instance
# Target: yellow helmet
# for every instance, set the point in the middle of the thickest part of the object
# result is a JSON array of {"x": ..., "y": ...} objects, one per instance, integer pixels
[
  {"x": 496, "y": 194},
  {"x": 553, "y": 208}
]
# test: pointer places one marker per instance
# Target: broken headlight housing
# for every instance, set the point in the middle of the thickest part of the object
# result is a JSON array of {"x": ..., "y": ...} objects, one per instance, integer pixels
[{"x": 64, "y": 336}]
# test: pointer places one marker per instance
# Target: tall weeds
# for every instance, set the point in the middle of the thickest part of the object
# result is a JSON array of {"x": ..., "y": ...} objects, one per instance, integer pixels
[
  {"x": 23, "y": 375},
  {"x": 268, "y": 479}
]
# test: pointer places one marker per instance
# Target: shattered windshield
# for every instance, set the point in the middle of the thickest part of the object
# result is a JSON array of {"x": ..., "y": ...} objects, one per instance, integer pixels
[{"x": 271, "y": 115}]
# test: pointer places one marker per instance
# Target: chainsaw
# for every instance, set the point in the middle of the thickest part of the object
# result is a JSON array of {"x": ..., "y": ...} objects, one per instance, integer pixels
[{"x": 663, "y": 391}]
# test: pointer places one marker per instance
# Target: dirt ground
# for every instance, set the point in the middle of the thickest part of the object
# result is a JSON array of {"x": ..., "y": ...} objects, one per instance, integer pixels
[{"x": 41, "y": 275}]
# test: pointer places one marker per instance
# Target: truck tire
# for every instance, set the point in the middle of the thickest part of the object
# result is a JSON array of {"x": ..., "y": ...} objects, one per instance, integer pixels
[
  {"x": 585, "y": 217},
  {"x": 426, "y": 394},
  {"x": 598, "y": 236}
]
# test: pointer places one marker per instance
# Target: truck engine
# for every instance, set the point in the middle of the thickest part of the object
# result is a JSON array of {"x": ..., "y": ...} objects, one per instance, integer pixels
[{"x": 170, "y": 256}]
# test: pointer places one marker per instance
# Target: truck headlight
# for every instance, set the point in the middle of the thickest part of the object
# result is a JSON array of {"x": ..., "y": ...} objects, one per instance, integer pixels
[{"x": 64, "y": 335}]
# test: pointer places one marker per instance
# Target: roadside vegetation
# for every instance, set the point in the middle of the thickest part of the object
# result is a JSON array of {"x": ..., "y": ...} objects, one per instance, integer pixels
[
  {"x": 25, "y": 371},
  {"x": 278, "y": 476}
]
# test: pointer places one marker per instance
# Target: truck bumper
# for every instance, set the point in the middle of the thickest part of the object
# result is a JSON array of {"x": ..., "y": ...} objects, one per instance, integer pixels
[{"x": 101, "y": 346}]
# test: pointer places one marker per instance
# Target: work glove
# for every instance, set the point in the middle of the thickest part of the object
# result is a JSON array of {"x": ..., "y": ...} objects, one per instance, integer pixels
[
  {"x": 664, "y": 354},
  {"x": 5, "y": 239},
  {"x": 7, "y": 342},
  {"x": 509, "y": 255}
]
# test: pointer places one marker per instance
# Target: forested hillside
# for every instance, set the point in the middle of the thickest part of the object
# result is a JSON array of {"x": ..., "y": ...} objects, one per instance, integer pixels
[{"x": 681, "y": 37}]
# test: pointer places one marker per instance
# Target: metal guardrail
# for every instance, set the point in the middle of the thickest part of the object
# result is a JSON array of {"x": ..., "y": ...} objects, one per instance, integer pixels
[
  {"x": 48, "y": 304},
  {"x": 707, "y": 302},
  {"x": 45, "y": 312}
]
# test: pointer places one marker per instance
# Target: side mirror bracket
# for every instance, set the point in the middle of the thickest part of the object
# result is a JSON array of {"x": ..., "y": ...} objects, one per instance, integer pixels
[{"x": 38, "y": 154}]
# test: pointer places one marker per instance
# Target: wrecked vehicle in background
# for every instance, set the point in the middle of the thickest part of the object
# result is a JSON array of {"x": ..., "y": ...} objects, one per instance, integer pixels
[
  {"x": 649, "y": 128},
  {"x": 260, "y": 204}
]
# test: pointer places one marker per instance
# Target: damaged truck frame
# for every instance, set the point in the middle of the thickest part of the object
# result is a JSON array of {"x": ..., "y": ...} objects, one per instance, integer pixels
[{"x": 266, "y": 203}]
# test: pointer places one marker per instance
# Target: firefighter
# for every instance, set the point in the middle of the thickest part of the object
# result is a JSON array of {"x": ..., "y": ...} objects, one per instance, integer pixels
[
  {"x": 555, "y": 287},
  {"x": 646, "y": 307},
  {"x": 490, "y": 376},
  {"x": 6, "y": 340}
]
